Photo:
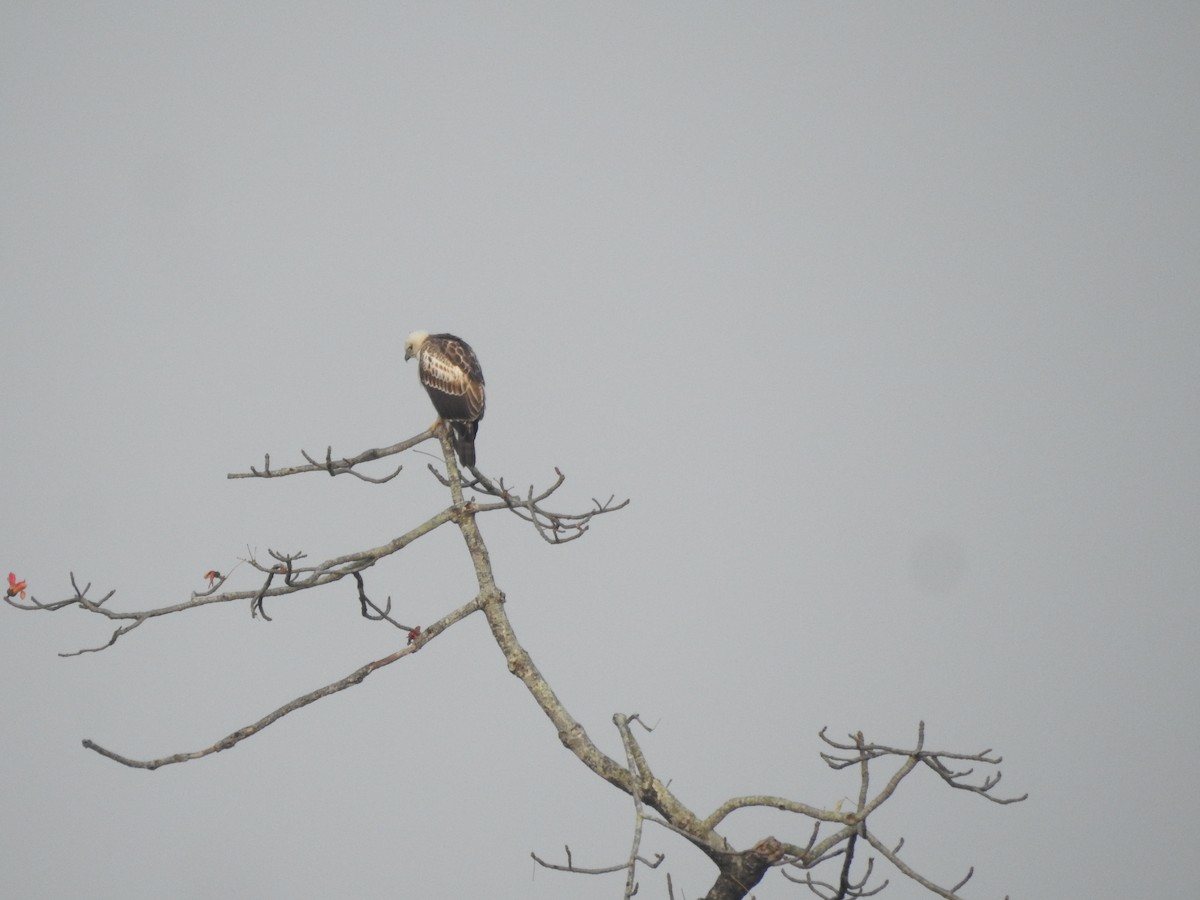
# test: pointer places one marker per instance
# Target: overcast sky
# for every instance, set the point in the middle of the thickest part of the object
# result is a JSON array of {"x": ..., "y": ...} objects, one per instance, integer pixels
[{"x": 885, "y": 317}]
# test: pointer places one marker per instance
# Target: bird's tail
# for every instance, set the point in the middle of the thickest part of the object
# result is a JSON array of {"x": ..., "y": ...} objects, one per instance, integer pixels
[{"x": 463, "y": 434}]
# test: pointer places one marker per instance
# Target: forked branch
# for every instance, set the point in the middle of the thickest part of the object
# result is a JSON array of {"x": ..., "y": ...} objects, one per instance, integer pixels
[{"x": 553, "y": 527}]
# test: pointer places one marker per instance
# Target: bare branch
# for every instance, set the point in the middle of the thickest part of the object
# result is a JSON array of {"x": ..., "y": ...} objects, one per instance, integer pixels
[
  {"x": 846, "y": 888},
  {"x": 782, "y": 803},
  {"x": 256, "y": 607},
  {"x": 296, "y": 579},
  {"x": 79, "y": 599},
  {"x": 965, "y": 879},
  {"x": 895, "y": 860},
  {"x": 865, "y": 782},
  {"x": 120, "y": 632},
  {"x": 345, "y": 467},
  {"x": 552, "y": 527},
  {"x": 603, "y": 870},
  {"x": 931, "y": 758},
  {"x": 355, "y": 677},
  {"x": 934, "y": 761},
  {"x": 844, "y": 884},
  {"x": 336, "y": 467},
  {"x": 379, "y": 615},
  {"x": 641, "y": 775}
]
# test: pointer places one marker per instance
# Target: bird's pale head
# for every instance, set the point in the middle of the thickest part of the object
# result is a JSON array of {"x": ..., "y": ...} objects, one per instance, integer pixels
[{"x": 414, "y": 343}]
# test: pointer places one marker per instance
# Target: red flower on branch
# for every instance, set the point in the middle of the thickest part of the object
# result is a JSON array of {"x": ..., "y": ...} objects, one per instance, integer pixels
[
  {"x": 414, "y": 634},
  {"x": 15, "y": 587},
  {"x": 212, "y": 575}
]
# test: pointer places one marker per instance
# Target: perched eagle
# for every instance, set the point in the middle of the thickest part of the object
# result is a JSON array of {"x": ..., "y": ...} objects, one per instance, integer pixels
[{"x": 454, "y": 381}]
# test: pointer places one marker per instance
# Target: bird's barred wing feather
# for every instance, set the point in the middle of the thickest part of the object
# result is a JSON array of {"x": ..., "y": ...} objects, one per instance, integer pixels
[{"x": 449, "y": 368}]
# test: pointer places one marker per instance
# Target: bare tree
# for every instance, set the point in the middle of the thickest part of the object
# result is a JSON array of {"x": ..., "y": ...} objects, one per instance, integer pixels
[{"x": 832, "y": 843}]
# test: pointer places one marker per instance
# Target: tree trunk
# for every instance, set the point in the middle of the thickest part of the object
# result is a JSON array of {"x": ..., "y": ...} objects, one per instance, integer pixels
[{"x": 740, "y": 872}]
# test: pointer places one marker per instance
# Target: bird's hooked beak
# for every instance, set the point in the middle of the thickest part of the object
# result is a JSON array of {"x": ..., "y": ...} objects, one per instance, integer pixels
[{"x": 408, "y": 353}]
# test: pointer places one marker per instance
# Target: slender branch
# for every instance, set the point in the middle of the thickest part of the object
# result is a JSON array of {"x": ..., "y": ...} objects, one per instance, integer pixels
[
  {"x": 336, "y": 467},
  {"x": 296, "y": 579},
  {"x": 355, "y": 677},
  {"x": 931, "y": 758},
  {"x": 845, "y": 888},
  {"x": 847, "y": 861},
  {"x": 602, "y": 870},
  {"x": 553, "y": 527},
  {"x": 892, "y": 857},
  {"x": 256, "y": 605},
  {"x": 371, "y": 611},
  {"x": 782, "y": 803},
  {"x": 344, "y": 467},
  {"x": 865, "y": 781},
  {"x": 641, "y": 774},
  {"x": 908, "y": 765},
  {"x": 120, "y": 632},
  {"x": 952, "y": 778}
]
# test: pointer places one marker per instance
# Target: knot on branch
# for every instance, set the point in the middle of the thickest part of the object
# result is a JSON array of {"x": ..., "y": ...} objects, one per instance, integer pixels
[{"x": 769, "y": 849}]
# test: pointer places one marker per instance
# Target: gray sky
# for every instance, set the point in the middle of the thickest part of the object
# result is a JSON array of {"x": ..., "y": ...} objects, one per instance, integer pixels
[{"x": 884, "y": 316}]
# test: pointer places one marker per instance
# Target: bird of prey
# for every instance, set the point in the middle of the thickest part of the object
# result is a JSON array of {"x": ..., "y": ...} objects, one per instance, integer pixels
[{"x": 453, "y": 379}]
